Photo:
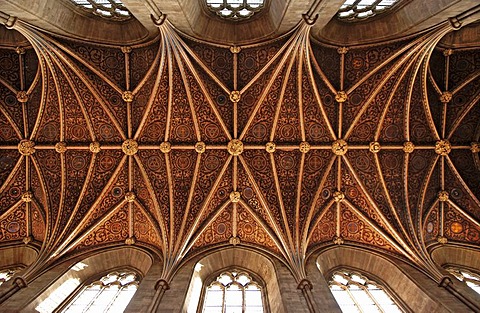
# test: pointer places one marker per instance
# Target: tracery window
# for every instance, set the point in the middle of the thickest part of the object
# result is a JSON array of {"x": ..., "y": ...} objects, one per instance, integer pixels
[
  {"x": 111, "y": 293},
  {"x": 362, "y": 9},
  {"x": 8, "y": 273},
  {"x": 105, "y": 8},
  {"x": 470, "y": 278},
  {"x": 235, "y": 9},
  {"x": 233, "y": 292},
  {"x": 356, "y": 293}
]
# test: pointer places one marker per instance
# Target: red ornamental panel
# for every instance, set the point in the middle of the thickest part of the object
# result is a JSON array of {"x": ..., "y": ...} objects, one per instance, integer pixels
[
  {"x": 458, "y": 228},
  {"x": 13, "y": 225},
  {"x": 355, "y": 229},
  {"x": 218, "y": 231}
]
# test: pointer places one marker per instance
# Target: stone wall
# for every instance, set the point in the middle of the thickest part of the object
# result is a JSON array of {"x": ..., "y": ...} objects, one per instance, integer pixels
[{"x": 414, "y": 291}]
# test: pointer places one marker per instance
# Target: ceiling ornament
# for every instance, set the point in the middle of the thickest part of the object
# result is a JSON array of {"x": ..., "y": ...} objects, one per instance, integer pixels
[
  {"x": 304, "y": 147},
  {"x": 445, "y": 97},
  {"x": 235, "y": 49},
  {"x": 130, "y": 196},
  {"x": 27, "y": 239},
  {"x": 443, "y": 147},
  {"x": 20, "y": 50},
  {"x": 339, "y": 147},
  {"x": 235, "y": 96},
  {"x": 130, "y": 241},
  {"x": 475, "y": 147},
  {"x": 447, "y": 52},
  {"x": 342, "y": 50},
  {"x": 26, "y": 147},
  {"x": 61, "y": 147},
  {"x": 338, "y": 196},
  {"x": 341, "y": 97},
  {"x": 200, "y": 147},
  {"x": 442, "y": 240},
  {"x": 234, "y": 240},
  {"x": 338, "y": 240},
  {"x": 270, "y": 147},
  {"x": 95, "y": 147},
  {"x": 235, "y": 196},
  {"x": 166, "y": 147},
  {"x": 126, "y": 50},
  {"x": 127, "y": 96},
  {"x": 27, "y": 196},
  {"x": 408, "y": 147},
  {"x": 130, "y": 147},
  {"x": 22, "y": 96},
  {"x": 235, "y": 147},
  {"x": 374, "y": 147},
  {"x": 443, "y": 196}
]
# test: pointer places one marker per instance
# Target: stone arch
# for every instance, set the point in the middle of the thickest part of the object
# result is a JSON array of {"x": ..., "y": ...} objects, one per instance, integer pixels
[
  {"x": 248, "y": 260},
  {"x": 461, "y": 257},
  {"x": 21, "y": 256},
  {"x": 405, "y": 19},
  {"x": 413, "y": 289},
  {"x": 63, "y": 18},
  {"x": 280, "y": 285},
  {"x": 81, "y": 268},
  {"x": 17, "y": 258},
  {"x": 255, "y": 280},
  {"x": 277, "y": 17}
]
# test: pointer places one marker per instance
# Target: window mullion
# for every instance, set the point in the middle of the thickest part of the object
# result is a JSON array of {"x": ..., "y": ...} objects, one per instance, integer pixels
[
  {"x": 244, "y": 298},
  {"x": 235, "y": 285},
  {"x": 224, "y": 302},
  {"x": 92, "y": 301},
  {"x": 354, "y": 300},
  {"x": 374, "y": 300},
  {"x": 357, "y": 287},
  {"x": 114, "y": 298}
]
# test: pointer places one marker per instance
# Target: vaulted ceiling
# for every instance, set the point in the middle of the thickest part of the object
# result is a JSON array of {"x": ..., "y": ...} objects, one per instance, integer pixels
[{"x": 288, "y": 145}]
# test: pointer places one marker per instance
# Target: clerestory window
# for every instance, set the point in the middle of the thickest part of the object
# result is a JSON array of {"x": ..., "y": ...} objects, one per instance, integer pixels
[
  {"x": 233, "y": 292},
  {"x": 111, "y": 293},
  {"x": 235, "y": 9},
  {"x": 113, "y": 9},
  {"x": 353, "y": 10},
  {"x": 470, "y": 278},
  {"x": 356, "y": 293}
]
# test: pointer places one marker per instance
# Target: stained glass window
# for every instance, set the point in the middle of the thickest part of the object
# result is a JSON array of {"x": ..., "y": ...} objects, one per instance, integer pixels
[
  {"x": 362, "y": 9},
  {"x": 470, "y": 278},
  {"x": 235, "y": 9},
  {"x": 233, "y": 292},
  {"x": 8, "y": 273},
  {"x": 111, "y": 293},
  {"x": 356, "y": 293},
  {"x": 105, "y": 8}
]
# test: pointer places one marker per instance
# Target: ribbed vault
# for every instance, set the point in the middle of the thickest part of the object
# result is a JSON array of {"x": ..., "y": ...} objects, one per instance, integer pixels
[{"x": 291, "y": 145}]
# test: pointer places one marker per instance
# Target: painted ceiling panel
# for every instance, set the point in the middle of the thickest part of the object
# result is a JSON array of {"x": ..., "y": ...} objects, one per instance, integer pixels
[{"x": 180, "y": 146}]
